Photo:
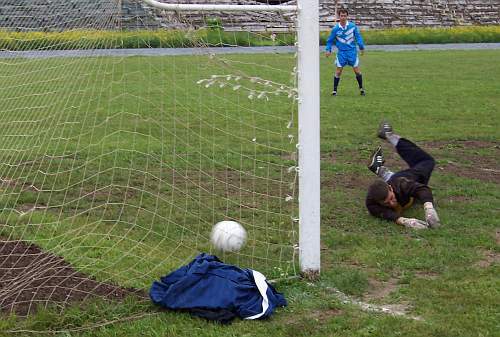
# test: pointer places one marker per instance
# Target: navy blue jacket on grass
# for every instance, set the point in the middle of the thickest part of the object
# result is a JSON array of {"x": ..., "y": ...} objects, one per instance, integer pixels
[{"x": 208, "y": 288}]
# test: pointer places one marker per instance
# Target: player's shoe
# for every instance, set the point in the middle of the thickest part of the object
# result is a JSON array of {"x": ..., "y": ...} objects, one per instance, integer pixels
[
  {"x": 384, "y": 128},
  {"x": 362, "y": 92},
  {"x": 334, "y": 93},
  {"x": 376, "y": 160}
]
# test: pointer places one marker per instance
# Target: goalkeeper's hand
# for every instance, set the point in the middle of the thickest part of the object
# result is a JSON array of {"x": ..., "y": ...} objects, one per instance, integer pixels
[
  {"x": 362, "y": 52},
  {"x": 412, "y": 223},
  {"x": 431, "y": 215},
  {"x": 328, "y": 53}
]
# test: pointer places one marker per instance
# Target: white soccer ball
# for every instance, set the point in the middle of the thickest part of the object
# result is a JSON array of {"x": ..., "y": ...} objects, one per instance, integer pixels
[{"x": 228, "y": 236}]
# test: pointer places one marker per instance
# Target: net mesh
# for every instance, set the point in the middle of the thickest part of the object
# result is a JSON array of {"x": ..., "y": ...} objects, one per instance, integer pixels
[{"x": 114, "y": 168}]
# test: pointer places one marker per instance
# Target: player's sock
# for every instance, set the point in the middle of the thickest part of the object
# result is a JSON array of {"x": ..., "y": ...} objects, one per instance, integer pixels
[
  {"x": 385, "y": 131},
  {"x": 392, "y": 138},
  {"x": 359, "y": 78},
  {"x": 336, "y": 81},
  {"x": 385, "y": 173}
]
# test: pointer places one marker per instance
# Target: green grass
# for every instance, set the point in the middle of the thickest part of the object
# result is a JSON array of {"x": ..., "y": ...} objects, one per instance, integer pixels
[
  {"x": 117, "y": 144},
  {"x": 433, "y": 98}
]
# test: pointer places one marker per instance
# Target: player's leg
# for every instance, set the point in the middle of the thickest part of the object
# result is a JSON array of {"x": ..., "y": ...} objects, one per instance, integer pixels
[
  {"x": 353, "y": 61},
  {"x": 336, "y": 79},
  {"x": 421, "y": 165},
  {"x": 340, "y": 62},
  {"x": 376, "y": 165},
  {"x": 359, "y": 78},
  {"x": 420, "y": 162}
]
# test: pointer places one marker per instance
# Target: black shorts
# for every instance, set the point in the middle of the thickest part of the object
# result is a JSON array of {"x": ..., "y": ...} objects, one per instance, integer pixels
[{"x": 420, "y": 162}]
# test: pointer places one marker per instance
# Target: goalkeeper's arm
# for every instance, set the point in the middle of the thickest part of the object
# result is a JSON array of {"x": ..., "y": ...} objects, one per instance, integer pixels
[{"x": 411, "y": 223}]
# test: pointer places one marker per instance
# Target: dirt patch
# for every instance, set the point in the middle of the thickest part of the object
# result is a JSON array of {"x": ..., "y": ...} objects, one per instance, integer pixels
[
  {"x": 463, "y": 160},
  {"x": 459, "y": 199},
  {"x": 109, "y": 193},
  {"x": 324, "y": 315},
  {"x": 329, "y": 157},
  {"x": 466, "y": 162},
  {"x": 470, "y": 144},
  {"x": 6, "y": 183},
  {"x": 24, "y": 209},
  {"x": 318, "y": 315},
  {"x": 380, "y": 290},
  {"x": 427, "y": 275},
  {"x": 490, "y": 257},
  {"x": 479, "y": 173},
  {"x": 348, "y": 181},
  {"x": 31, "y": 278}
]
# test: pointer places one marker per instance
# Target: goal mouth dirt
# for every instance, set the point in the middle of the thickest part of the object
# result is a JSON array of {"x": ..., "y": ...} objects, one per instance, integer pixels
[{"x": 31, "y": 279}]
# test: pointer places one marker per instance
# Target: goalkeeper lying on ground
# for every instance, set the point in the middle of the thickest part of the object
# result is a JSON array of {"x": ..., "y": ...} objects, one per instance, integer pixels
[{"x": 395, "y": 192}]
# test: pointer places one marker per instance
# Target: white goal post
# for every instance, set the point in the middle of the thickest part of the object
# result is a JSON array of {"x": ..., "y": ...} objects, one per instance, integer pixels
[{"x": 308, "y": 109}]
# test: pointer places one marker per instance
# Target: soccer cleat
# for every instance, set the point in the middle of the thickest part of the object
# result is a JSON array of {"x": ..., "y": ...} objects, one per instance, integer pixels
[
  {"x": 362, "y": 92},
  {"x": 334, "y": 93},
  {"x": 376, "y": 160},
  {"x": 384, "y": 128}
]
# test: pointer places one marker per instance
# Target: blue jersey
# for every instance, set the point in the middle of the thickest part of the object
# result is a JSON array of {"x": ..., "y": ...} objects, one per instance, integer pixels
[{"x": 345, "y": 38}]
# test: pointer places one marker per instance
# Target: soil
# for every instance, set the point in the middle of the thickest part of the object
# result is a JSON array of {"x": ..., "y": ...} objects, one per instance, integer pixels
[
  {"x": 347, "y": 181},
  {"x": 480, "y": 167},
  {"x": 380, "y": 290},
  {"x": 31, "y": 278},
  {"x": 490, "y": 257},
  {"x": 471, "y": 144},
  {"x": 325, "y": 314},
  {"x": 427, "y": 275},
  {"x": 463, "y": 161},
  {"x": 488, "y": 175}
]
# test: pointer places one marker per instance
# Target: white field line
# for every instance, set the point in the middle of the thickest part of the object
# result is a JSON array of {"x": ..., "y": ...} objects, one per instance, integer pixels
[{"x": 394, "y": 310}]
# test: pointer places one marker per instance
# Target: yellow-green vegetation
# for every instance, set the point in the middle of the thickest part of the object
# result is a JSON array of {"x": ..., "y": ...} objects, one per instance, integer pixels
[
  {"x": 95, "y": 39},
  {"x": 460, "y": 34},
  {"x": 98, "y": 39},
  {"x": 102, "y": 39}
]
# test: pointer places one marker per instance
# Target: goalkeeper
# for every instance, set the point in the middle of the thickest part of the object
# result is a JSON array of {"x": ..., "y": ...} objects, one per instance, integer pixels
[
  {"x": 395, "y": 192},
  {"x": 346, "y": 35}
]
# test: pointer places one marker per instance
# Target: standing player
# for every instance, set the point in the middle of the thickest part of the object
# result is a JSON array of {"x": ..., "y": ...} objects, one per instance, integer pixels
[{"x": 346, "y": 35}]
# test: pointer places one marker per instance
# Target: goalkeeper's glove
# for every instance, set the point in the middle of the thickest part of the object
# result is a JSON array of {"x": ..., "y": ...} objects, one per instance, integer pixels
[
  {"x": 431, "y": 215},
  {"x": 412, "y": 223}
]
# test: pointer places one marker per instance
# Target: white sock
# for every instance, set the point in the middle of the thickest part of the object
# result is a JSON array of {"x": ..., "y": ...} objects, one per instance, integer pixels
[
  {"x": 392, "y": 138},
  {"x": 385, "y": 173},
  {"x": 428, "y": 204}
]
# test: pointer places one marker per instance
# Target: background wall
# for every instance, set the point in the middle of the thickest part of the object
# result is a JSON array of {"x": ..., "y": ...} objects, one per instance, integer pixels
[{"x": 33, "y": 15}]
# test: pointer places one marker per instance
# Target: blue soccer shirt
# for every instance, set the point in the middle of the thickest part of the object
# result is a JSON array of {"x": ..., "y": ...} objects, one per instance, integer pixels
[{"x": 345, "y": 38}]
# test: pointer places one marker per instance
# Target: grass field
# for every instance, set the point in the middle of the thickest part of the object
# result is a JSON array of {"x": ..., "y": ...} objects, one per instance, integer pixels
[{"x": 111, "y": 226}]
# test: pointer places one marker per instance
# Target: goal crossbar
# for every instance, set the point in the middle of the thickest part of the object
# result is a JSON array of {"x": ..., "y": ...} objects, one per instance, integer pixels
[{"x": 232, "y": 8}]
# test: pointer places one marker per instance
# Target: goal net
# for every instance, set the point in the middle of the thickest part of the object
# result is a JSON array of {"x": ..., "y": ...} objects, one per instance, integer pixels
[{"x": 127, "y": 132}]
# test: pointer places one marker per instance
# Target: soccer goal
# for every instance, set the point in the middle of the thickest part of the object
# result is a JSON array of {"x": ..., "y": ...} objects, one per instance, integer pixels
[{"x": 128, "y": 131}]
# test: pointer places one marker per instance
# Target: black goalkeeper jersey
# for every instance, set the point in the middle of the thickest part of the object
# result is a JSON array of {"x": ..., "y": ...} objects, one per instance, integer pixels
[{"x": 406, "y": 190}]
